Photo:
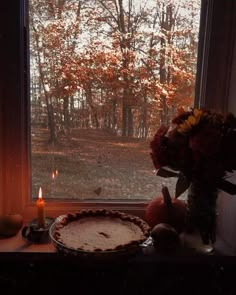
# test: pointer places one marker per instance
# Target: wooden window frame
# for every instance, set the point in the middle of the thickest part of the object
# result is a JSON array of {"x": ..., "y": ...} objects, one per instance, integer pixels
[{"x": 215, "y": 57}]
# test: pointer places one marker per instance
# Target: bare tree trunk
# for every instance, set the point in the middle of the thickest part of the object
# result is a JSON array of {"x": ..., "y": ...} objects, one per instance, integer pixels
[
  {"x": 144, "y": 115},
  {"x": 166, "y": 26},
  {"x": 114, "y": 116},
  {"x": 66, "y": 115},
  {"x": 130, "y": 122},
  {"x": 51, "y": 123},
  {"x": 89, "y": 97},
  {"x": 127, "y": 120},
  {"x": 50, "y": 111}
]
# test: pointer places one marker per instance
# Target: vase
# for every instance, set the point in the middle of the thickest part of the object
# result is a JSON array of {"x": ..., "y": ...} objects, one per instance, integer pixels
[{"x": 201, "y": 211}]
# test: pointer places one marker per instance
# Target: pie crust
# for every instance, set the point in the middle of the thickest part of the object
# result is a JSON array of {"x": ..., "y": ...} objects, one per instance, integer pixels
[{"x": 100, "y": 231}]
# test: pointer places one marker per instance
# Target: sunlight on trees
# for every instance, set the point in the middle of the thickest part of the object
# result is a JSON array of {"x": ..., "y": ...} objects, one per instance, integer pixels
[{"x": 118, "y": 66}]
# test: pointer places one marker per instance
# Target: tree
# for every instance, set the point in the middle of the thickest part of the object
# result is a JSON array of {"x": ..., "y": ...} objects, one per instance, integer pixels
[
  {"x": 53, "y": 36},
  {"x": 118, "y": 64}
]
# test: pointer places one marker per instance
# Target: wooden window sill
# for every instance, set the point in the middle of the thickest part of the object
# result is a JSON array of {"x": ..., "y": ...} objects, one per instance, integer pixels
[{"x": 17, "y": 246}]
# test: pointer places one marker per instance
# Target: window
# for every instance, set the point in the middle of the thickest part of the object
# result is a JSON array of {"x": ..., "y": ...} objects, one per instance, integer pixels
[
  {"x": 214, "y": 64},
  {"x": 103, "y": 75}
]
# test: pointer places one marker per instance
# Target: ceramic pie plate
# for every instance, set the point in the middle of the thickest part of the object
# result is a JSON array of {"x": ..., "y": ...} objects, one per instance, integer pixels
[{"x": 99, "y": 234}]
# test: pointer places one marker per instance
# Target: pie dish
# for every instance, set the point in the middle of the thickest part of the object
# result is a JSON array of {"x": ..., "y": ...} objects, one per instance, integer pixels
[{"x": 99, "y": 233}]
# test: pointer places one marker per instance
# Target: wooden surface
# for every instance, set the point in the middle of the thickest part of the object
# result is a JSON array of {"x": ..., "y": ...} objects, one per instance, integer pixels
[
  {"x": 12, "y": 248},
  {"x": 19, "y": 244},
  {"x": 191, "y": 246}
]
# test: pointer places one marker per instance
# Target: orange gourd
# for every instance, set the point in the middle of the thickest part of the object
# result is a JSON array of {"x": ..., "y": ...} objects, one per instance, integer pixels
[{"x": 165, "y": 209}]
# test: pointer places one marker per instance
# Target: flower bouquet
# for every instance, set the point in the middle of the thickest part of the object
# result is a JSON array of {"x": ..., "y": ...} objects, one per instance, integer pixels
[{"x": 200, "y": 150}]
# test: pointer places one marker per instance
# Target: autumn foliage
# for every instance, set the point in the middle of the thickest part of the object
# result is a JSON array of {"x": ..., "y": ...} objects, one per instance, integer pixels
[{"x": 119, "y": 65}]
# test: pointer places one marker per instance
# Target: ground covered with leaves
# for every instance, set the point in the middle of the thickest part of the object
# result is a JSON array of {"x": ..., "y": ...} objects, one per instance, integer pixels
[{"x": 94, "y": 164}]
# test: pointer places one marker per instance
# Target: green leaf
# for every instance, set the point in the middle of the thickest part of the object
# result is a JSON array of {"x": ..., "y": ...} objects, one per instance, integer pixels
[
  {"x": 182, "y": 185},
  {"x": 166, "y": 173}
]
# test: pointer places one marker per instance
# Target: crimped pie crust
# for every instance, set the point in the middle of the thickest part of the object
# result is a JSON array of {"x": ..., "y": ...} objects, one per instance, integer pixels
[{"x": 101, "y": 230}]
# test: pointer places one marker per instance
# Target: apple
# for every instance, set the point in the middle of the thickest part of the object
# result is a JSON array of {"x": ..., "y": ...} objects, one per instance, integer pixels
[{"x": 10, "y": 224}]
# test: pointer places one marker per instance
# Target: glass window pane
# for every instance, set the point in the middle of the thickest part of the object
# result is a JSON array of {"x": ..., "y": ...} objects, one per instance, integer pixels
[{"x": 104, "y": 74}]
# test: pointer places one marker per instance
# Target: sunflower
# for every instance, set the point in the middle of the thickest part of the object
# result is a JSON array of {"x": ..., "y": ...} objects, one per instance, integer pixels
[{"x": 192, "y": 120}]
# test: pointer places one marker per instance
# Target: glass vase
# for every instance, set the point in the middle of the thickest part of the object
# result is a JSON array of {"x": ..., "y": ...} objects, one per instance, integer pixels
[{"x": 201, "y": 212}]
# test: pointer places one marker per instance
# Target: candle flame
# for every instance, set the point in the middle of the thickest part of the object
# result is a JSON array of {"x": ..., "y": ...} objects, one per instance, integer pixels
[
  {"x": 53, "y": 175},
  {"x": 40, "y": 193}
]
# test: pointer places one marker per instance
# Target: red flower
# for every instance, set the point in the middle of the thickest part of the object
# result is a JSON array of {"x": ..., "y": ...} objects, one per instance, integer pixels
[
  {"x": 202, "y": 146},
  {"x": 159, "y": 147},
  {"x": 180, "y": 155},
  {"x": 206, "y": 141}
]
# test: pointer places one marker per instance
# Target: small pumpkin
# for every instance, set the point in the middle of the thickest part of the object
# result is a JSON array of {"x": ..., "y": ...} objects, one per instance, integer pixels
[{"x": 166, "y": 209}]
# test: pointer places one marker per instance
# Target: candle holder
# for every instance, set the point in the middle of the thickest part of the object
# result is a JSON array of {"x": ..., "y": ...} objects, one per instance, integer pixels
[{"x": 36, "y": 234}]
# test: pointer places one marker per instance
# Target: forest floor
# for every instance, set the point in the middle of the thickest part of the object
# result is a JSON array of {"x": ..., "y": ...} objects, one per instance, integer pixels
[{"x": 94, "y": 164}]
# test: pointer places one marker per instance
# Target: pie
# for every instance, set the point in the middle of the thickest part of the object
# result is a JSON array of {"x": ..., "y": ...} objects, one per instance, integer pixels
[{"x": 100, "y": 231}]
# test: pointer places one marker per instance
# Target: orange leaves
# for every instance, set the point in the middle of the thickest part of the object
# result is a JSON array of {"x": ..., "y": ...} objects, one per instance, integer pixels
[{"x": 137, "y": 58}]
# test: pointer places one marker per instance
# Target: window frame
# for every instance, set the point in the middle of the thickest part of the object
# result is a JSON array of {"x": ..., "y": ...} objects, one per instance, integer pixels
[{"x": 212, "y": 90}]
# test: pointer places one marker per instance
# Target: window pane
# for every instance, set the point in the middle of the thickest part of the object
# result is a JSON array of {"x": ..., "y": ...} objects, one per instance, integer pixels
[{"x": 104, "y": 75}]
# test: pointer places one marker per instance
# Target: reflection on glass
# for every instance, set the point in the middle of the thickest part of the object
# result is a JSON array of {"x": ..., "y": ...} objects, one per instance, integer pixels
[{"x": 104, "y": 76}]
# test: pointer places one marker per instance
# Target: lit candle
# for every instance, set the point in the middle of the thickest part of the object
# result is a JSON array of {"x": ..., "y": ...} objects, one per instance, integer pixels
[{"x": 41, "y": 209}]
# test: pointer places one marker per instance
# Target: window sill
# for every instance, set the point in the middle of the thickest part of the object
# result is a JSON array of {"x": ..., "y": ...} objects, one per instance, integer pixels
[{"x": 17, "y": 245}]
